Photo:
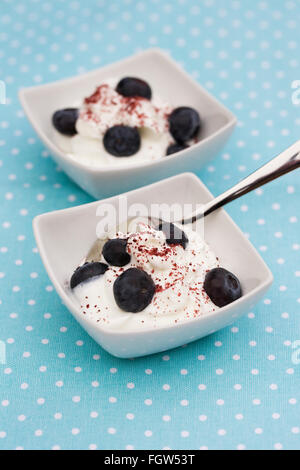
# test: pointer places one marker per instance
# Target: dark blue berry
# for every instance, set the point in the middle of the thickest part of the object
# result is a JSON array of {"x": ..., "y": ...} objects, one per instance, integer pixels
[
  {"x": 114, "y": 252},
  {"x": 184, "y": 124},
  {"x": 174, "y": 235},
  {"x": 134, "y": 290},
  {"x": 122, "y": 141},
  {"x": 87, "y": 271},
  {"x": 64, "y": 121},
  {"x": 131, "y": 86},
  {"x": 222, "y": 286},
  {"x": 174, "y": 148}
]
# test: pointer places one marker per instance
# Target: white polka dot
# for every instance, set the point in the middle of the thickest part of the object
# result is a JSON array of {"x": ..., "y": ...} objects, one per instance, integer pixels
[
  {"x": 241, "y": 447},
  {"x": 202, "y": 418},
  {"x": 295, "y": 430},
  {"x": 184, "y": 402},
  {"x": 278, "y": 446}
]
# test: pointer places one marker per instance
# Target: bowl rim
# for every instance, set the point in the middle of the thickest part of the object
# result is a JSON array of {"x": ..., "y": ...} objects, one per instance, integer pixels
[
  {"x": 23, "y": 97},
  {"x": 67, "y": 301}
]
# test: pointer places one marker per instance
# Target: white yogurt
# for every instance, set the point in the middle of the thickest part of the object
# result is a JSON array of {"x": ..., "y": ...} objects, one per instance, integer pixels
[
  {"x": 106, "y": 108},
  {"x": 178, "y": 275}
]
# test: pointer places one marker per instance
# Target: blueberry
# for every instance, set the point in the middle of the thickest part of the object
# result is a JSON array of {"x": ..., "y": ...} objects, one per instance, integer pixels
[
  {"x": 114, "y": 252},
  {"x": 64, "y": 121},
  {"x": 122, "y": 141},
  {"x": 222, "y": 286},
  {"x": 131, "y": 86},
  {"x": 134, "y": 290},
  {"x": 87, "y": 271},
  {"x": 174, "y": 148},
  {"x": 174, "y": 235},
  {"x": 184, "y": 124}
]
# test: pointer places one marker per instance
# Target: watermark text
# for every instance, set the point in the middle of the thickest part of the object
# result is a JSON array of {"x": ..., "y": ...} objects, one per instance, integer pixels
[
  {"x": 2, "y": 92},
  {"x": 296, "y": 94},
  {"x": 126, "y": 218},
  {"x": 2, "y": 353},
  {"x": 296, "y": 353}
]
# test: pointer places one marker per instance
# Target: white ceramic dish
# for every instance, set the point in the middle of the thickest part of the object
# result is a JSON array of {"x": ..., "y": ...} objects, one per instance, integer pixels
[
  {"x": 168, "y": 81},
  {"x": 64, "y": 237}
]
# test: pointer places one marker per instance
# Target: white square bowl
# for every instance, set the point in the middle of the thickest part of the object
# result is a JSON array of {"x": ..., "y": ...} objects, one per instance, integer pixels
[
  {"x": 168, "y": 81},
  {"x": 64, "y": 237}
]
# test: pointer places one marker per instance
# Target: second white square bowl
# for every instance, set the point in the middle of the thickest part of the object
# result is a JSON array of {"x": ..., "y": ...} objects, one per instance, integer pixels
[
  {"x": 65, "y": 236},
  {"x": 168, "y": 81}
]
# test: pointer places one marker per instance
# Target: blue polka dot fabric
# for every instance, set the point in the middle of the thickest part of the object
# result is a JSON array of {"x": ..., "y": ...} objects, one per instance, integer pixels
[{"x": 236, "y": 389}]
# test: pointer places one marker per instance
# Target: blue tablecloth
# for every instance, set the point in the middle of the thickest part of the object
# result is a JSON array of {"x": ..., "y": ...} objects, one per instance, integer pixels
[{"x": 236, "y": 389}]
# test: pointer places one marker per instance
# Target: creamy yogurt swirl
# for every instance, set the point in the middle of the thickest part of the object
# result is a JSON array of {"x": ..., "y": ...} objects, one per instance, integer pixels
[
  {"x": 178, "y": 275},
  {"x": 106, "y": 108}
]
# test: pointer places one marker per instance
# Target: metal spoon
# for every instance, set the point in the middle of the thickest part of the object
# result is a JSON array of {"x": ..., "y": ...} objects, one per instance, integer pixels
[
  {"x": 286, "y": 161},
  {"x": 283, "y": 163}
]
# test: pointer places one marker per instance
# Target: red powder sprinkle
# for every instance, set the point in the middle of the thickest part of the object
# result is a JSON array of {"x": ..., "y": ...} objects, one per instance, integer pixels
[{"x": 96, "y": 96}]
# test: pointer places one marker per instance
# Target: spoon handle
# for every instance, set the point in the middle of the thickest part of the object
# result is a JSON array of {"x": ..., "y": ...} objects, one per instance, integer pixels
[{"x": 285, "y": 162}]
